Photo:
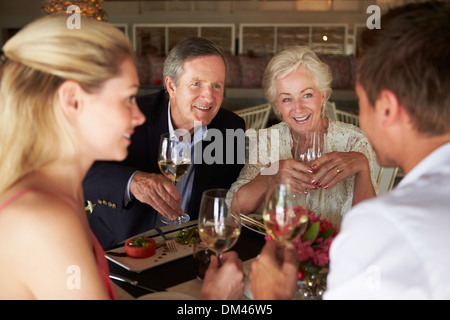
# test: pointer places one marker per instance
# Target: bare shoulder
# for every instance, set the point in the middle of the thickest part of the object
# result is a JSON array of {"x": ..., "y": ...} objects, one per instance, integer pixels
[
  {"x": 42, "y": 221},
  {"x": 36, "y": 212},
  {"x": 43, "y": 236}
]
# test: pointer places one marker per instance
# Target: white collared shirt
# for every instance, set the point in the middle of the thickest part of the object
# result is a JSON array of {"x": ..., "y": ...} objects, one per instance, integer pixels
[{"x": 396, "y": 246}]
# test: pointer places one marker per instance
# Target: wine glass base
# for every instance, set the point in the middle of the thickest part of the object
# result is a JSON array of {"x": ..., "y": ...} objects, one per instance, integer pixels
[{"x": 183, "y": 218}]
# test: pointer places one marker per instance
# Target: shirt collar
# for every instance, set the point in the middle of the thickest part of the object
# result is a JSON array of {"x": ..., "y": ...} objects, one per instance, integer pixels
[
  {"x": 199, "y": 132},
  {"x": 436, "y": 161}
]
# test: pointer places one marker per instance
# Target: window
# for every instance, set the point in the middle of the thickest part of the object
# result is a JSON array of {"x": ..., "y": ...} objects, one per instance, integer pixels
[
  {"x": 261, "y": 39},
  {"x": 158, "y": 39}
]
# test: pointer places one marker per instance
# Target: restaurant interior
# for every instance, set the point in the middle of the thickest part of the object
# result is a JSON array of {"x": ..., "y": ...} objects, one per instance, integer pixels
[{"x": 251, "y": 32}]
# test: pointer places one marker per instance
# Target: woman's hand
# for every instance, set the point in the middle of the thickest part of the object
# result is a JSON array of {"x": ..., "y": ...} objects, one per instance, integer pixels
[
  {"x": 296, "y": 173},
  {"x": 334, "y": 167},
  {"x": 291, "y": 171}
]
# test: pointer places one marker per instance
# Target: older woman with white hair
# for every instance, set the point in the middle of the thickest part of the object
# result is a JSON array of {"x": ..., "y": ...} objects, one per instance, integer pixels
[{"x": 297, "y": 86}]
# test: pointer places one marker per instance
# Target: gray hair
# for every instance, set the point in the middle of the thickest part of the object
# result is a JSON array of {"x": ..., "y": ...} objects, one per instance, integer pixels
[
  {"x": 188, "y": 49},
  {"x": 290, "y": 60}
]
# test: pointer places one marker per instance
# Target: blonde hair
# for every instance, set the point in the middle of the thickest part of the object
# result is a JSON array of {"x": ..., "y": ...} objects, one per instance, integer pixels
[
  {"x": 33, "y": 129},
  {"x": 290, "y": 60}
]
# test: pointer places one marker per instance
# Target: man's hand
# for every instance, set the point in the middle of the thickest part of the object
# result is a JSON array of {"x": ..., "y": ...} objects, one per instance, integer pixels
[
  {"x": 156, "y": 191},
  {"x": 225, "y": 282},
  {"x": 274, "y": 272}
]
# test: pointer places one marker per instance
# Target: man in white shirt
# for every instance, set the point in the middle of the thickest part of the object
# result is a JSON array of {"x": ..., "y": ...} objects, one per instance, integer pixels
[{"x": 394, "y": 246}]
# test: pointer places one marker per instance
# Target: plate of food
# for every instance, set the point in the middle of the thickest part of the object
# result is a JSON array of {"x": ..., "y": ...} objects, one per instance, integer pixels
[
  {"x": 254, "y": 222},
  {"x": 142, "y": 253}
]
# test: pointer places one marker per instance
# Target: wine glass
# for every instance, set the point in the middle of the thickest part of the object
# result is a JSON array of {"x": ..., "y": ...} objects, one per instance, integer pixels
[
  {"x": 310, "y": 147},
  {"x": 174, "y": 160},
  {"x": 285, "y": 213},
  {"x": 202, "y": 258},
  {"x": 219, "y": 222}
]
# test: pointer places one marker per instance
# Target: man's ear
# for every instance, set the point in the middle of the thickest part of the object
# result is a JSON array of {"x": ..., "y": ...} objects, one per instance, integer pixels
[
  {"x": 69, "y": 95},
  {"x": 170, "y": 86},
  {"x": 389, "y": 108}
]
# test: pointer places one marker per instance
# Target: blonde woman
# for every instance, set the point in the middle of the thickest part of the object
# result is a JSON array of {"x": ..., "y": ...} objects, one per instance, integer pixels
[
  {"x": 66, "y": 100},
  {"x": 297, "y": 85}
]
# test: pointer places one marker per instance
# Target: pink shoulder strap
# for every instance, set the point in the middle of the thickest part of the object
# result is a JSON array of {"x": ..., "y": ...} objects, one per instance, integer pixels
[{"x": 14, "y": 197}]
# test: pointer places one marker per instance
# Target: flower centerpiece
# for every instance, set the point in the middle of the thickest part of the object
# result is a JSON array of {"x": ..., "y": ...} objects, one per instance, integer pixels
[{"x": 313, "y": 248}]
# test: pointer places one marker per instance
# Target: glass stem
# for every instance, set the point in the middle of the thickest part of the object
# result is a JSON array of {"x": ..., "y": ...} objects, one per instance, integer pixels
[
  {"x": 219, "y": 258},
  {"x": 174, "y": 182}
]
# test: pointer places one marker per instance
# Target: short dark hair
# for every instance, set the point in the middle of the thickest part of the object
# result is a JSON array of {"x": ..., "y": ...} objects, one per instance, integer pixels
[
  {"x": 409, "y": 56},
  {"x": 188, "y": 49}
]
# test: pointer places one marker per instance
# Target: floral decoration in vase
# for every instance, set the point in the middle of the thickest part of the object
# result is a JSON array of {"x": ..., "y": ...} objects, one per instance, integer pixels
[{"x": 313, "y": 249}]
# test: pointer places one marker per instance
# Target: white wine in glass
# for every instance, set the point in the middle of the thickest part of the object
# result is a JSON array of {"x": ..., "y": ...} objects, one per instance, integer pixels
[
  {"x": 285, "y": 214},
  {"x": 174, "y": 160},
  {"x": 310, "y": 147},
  {"x": 174, "y": 171},
  {"x": 219, "y": 222}
]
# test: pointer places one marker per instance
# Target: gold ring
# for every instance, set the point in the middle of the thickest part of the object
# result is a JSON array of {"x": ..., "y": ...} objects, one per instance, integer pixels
[{"x": 337, "y": 170}]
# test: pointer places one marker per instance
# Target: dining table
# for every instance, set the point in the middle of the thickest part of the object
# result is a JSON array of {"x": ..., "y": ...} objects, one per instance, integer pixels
[{"x": 177, "y": 278}]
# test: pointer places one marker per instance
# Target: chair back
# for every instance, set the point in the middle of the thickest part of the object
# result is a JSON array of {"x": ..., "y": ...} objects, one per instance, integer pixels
[
  {"x": 347, "y": 117},
  {"x": 385, "y": 178},
  {"x": 255, "y": 117}
]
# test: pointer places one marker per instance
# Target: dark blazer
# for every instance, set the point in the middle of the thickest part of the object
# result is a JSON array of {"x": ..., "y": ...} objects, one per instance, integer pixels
[{"x": 105, "y": 183}]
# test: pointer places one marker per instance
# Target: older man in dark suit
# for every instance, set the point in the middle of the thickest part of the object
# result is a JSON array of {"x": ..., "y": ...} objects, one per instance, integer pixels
[{"x": 131, "y": 196}]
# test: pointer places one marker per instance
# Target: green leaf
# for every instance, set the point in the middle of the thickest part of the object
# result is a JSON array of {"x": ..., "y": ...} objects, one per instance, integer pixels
[
  {"x": 312, "y": 232},
  {"x": 326, "y": 234},
  {"x": 139, "y": 242},
  {"x": 309, "y": 224}
]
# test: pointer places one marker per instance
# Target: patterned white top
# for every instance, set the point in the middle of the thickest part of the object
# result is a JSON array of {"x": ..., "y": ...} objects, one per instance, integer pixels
[{"x": 332, "y": 203}]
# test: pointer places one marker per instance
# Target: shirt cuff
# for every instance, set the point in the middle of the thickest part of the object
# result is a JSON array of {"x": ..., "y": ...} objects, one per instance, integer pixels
[{"x": 128, "y": 196}]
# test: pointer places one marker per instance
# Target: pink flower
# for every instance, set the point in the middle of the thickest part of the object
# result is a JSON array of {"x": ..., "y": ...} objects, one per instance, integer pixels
[
  {"x": 315, "y": 249},
  {"x": 304, "y": 250},
  {"x": 321, "y": 257}
]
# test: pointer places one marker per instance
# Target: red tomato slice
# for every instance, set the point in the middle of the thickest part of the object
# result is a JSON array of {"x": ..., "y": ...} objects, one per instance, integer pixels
[{"x": 141, "y": 252}]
